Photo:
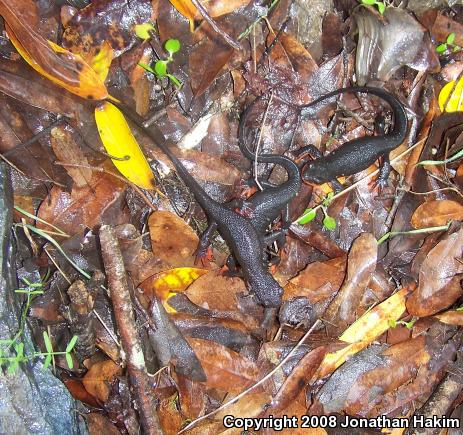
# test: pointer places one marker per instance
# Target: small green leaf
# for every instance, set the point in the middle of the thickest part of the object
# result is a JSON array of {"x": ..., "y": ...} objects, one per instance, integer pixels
[
  {"x": 174, "y": 80},
  {"x": 142, "y": 30},
  {"x": 328, "y": 199},
  {"x": 392, "y": 323},
  {"x": 69, "y": 360},
  {"x": 146, "y": 67},
  {"x": 369, "y": 2},
  {"x": 329, "y": 223},
  {"x": 172, "y": 46},
  {"x": 48, "y": 344},
  {"x": 71, "y": 344},
  {"x": 160, "y": 68},
  {"x": 381, "y": 7},
  {"x": 451, "y": 38},
  {"x": 309, "y": 215},
  {"x": 456, "y": 48},
  {"x": 441, "y": 48},
  {"x": 47, "y": 361}
]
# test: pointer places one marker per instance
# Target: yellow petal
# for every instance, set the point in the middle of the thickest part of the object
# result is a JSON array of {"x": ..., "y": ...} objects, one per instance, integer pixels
[{"x": 119, "y": 142}]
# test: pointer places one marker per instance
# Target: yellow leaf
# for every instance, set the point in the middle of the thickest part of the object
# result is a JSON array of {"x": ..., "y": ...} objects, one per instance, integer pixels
[
  {"x": 376, "y": 321},
  {"x": 454, "y": 99},
  {"x": 187, "y": 9},
  {"x": 74, "y": 74},
  {"x": 119, "y": 142},
  {"x": 365, "y": 330},
  {"x": 143, "y": 30},
  {"x": 170, "y": 282},
  {"x": 102, "y": 61}
]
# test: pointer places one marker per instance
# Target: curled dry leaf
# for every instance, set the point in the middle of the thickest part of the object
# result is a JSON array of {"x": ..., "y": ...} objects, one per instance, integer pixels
[
  {"x": 361, "y": 265},
  {"x": 365, "y": 330},
  {"x": 435, "y": 213},
  {"x": 172, "y": 240},
  {"x": 83, "y": 207},
  {"x": 62, "y": 67},
  {"x": 225, "y": 369},
  {"x": 96, "y": 381},
  {"x": 439, "y": 278}
]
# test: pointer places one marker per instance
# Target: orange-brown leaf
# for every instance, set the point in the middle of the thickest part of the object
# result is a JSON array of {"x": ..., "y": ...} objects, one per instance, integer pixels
[
  {"x": 96, "y": 381},
  {"x": 225, "y": 369},
  {"x": 172, "y": 240},
  {"x": 298, "y": 379},
  {"x": 435, "y": 213}
]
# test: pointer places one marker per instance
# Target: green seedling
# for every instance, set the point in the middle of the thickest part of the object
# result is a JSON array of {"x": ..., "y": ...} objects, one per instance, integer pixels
[
  {"x": 449, "y": 44},
  {"x": 408, "y": 325},
  {"x": 309, "y": 214},
  {"x": 12, "y": 352},
  {"x": 172, "y": 46},
  {"x": 380, "y": 5},
  {"x": 412, "y": 232}
]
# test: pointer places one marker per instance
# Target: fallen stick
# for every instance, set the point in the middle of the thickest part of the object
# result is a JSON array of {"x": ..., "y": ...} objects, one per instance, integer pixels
[{"x": 130, "y": 340}]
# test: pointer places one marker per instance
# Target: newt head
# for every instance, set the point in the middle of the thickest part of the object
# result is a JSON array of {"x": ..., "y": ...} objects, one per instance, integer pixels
[{"x": 312, "y": 174}]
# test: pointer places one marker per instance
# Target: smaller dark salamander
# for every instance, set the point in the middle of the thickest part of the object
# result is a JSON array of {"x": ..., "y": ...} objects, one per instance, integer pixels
[
  {"x": 264, "y": 206},
  {"x": 358, "y": 154}
]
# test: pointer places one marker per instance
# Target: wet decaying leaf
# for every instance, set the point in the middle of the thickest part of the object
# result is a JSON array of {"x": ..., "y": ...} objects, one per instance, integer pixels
[
  {"x": 148, "y": 315},
  {"x": 84, "y": 207},
  {"x": 60, "y": 66},
  {"x": 440, "y": 277},
  {"x": 102, "y": 21},
  {"x": 360, "y": 265}
]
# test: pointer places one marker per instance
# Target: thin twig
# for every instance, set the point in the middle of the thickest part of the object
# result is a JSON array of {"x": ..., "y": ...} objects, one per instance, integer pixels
[{"x": 227, "y": 38}]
